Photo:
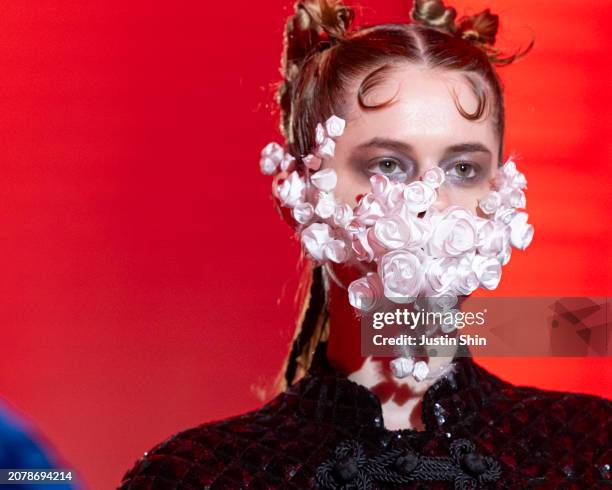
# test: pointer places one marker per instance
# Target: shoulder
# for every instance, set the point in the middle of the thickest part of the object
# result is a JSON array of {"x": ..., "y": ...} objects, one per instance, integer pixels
[
  {"x": 540, "y": 436},
  {"x": 574, "y": 421},
  {"x": 587, "y": 417},
  {"x": 562, "y": 403},
  {"x": 224, "y": 453}
]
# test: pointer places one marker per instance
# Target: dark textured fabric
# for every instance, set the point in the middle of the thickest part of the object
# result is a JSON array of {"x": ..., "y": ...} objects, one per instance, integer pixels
[{"x": 327, "y": 432}]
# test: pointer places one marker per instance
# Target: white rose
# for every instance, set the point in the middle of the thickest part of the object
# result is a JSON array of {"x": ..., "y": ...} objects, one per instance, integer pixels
[
  {"x": 380, "y": 185},
  {"x": 314, "y": 239},
  {"x": 510, "y": 176},
  {"x": 440, "y": 274},
  {"x": 493, "y": 237},
  {"x": 343, "y": 215},
  {"x": 508, "y": 169},
  {"x": 419, "y": 196},
  {"x": 391, "y": 232},
  {"x": 402, "y": 366},
  {"x": 441, "y": 302},
  {"x": 434, "y": 177},
  {"x": 454, "y": 233},
  {"x": 354, "y": 226},
  {"x": 271, "y": 157},
  {"x": 513, "y": 198},
  {"x": 369, "y": 210},
  {"x": 319, "y": 134},
  {"x": 402, "y": 275},
  {"x": 336, "y": 251},
  {"x": 389, "y": 194},
  {"x": 334, "y": 126},
  {"x": 420, "y": 371},
  {"x": 312, "y": 162},
  {"x": 327, "y": 148},
  {"x": 361, "y": 246},
  {"x": 303, "y": 212},
  {"x": 324, "y": 180},
  {"x": 519, "y": 181},
  {"x": 490, "y": 202},
  {"x": 419, "y": 231},
  {"x": 488, "y": 271},
  {"x": 320, "y": 245},
  {"x": 268, "y": 166},
  {"x": 326, "y": 205},
  {"x": 292, "y": 190},
  {"x": 521, "y": 232},
  {"x": 466, "y": 280},
  {"x": 287, "y": 164},
  {"x": 365, "y": 292},
  {"x": 504, "y": 256},
  {"x": 505, "y": 215}
]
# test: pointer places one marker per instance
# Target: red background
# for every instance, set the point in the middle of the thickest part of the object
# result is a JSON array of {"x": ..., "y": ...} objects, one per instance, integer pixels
[{"x": 141, "y": 256}]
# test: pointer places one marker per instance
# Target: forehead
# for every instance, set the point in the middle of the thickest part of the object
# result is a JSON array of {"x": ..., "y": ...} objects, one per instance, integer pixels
[{"x": 423, "y": 112}]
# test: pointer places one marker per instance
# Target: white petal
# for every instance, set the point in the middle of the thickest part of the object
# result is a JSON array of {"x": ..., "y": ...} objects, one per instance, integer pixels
[
  {"x": 324, "y": 180},
  {"x": 334, "y": 126}
]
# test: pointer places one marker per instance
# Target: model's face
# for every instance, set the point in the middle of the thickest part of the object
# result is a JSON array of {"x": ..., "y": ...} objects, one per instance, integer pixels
[{"x": 420, "y": 130}]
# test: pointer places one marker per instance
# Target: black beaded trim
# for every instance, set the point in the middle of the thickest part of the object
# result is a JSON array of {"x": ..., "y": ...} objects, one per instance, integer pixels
[{"x": 351, "y": 469}]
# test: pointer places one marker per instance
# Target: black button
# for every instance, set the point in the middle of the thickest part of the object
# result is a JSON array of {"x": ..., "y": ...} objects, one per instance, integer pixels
[
  {"x": 406, "y": 462},
  {"x": 346, "y": 469},
  {"x": 474, "y": 463}
]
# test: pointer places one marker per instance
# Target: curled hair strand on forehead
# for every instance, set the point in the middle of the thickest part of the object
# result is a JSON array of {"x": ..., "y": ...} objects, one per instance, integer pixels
[
  {"x": 479, "y": 90},
  {"x": 369, "y": 83}
]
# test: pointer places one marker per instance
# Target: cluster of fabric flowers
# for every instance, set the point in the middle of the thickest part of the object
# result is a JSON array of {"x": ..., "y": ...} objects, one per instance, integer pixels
[
  {"x": 416, "y": 249},
  {"x": 413, "y": 249}
]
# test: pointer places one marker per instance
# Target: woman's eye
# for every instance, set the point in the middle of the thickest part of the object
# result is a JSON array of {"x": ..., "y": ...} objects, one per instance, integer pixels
[
  {"x": 462, "y": 171},
  {"x": 389, "y": 167}
]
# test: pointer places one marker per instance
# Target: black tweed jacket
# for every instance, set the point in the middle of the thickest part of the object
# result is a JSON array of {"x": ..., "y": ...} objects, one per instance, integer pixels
[{"x": 327, "y": 432}]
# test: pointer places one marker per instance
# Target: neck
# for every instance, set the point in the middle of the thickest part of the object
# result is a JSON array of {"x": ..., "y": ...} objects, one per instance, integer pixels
[{"x": 401, "y": 399}]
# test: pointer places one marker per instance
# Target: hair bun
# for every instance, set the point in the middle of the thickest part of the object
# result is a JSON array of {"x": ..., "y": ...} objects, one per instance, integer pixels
[
  {"x": 433, "y": 13},
  {"x": 480, "y": 28},
  {"x": 325, "y": 20},
  {"x": 315, "y": 26}
]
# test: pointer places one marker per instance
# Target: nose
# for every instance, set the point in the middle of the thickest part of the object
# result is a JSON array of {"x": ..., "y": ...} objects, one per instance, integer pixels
[{"x": 443, "y": 200}]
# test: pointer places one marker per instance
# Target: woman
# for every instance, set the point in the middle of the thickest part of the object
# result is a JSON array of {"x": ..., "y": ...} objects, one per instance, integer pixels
[{"x": 416, "y": 108}]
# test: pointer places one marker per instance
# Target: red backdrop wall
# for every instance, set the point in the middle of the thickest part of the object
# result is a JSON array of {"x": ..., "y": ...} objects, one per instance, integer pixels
[{"x": 147, "y": 282}]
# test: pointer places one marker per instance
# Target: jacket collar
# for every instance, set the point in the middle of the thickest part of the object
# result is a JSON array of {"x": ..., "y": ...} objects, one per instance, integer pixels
[{"x": 329, "y": 397}]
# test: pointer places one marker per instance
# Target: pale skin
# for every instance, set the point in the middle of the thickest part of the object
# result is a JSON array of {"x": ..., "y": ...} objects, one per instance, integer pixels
[{"x": 420, "y": 130}]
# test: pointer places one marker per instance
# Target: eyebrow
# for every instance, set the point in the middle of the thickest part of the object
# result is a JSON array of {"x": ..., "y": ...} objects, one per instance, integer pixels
[{"x": 400, "y": 146}]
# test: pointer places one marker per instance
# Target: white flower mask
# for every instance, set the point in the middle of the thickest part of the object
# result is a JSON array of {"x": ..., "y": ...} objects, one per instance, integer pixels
[{"x": 417, "y": 251}]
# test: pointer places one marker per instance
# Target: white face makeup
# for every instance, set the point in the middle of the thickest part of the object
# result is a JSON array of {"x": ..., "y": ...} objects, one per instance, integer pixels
[{"x": 409, "y": 196}]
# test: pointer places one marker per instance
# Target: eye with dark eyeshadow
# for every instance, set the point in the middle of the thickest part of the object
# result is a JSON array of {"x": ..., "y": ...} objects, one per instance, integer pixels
[
  {"x": 388, "y": 166},
  {"x": 463, "y": 172}
]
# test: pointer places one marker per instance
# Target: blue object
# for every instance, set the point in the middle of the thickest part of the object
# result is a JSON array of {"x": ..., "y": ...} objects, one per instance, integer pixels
[{"x": 20, "y": 450}]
